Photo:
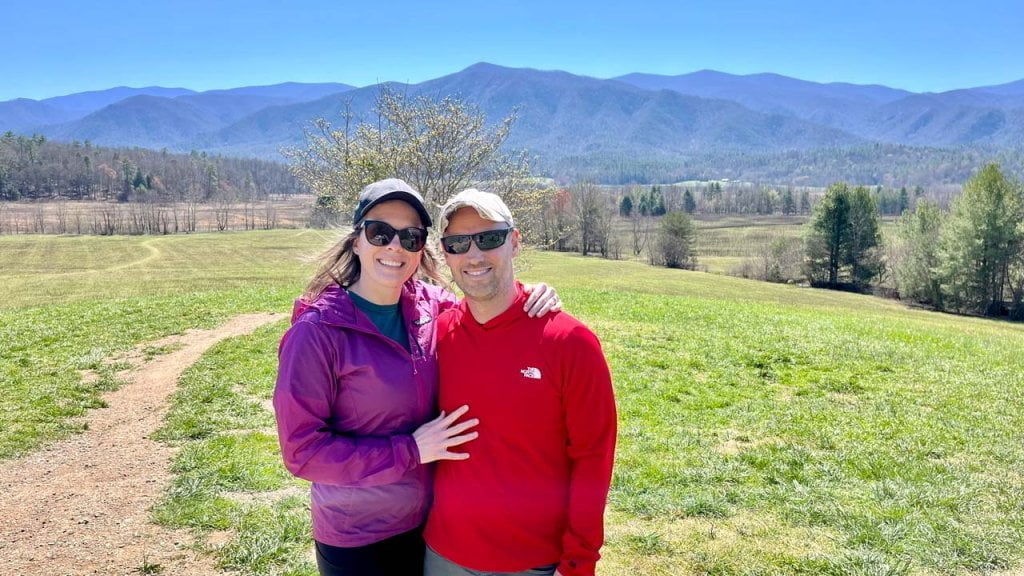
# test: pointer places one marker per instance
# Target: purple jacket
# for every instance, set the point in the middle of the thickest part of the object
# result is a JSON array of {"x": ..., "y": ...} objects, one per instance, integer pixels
[{"x": 347, "y": 401}]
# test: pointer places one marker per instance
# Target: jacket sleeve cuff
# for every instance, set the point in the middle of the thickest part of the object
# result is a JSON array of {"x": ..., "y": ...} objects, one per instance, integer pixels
[
  {"x": 576, "y": 567},
  {"x": 406, "y": 450}
]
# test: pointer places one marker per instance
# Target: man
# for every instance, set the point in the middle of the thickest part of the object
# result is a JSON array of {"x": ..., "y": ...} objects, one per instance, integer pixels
[{"x": 530, "y": 497}]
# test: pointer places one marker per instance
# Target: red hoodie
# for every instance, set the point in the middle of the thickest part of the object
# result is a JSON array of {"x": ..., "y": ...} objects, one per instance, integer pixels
[{"x": 533, "y": 490}]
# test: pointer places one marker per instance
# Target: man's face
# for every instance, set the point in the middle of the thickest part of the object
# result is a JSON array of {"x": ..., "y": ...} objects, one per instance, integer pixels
[{"x": 483, "y": 275}]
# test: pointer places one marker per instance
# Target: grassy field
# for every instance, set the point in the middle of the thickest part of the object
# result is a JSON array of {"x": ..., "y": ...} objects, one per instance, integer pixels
[
  {"x": 725, "y": 241},
  {"x": 764, "y": 429},
  {"x": 71, "y": 302}
]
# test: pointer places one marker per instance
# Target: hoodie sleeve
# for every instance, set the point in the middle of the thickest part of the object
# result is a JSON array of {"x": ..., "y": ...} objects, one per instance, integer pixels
[
  {"x": 311, "y": 449},
  {"x": 590, "y": 419}
]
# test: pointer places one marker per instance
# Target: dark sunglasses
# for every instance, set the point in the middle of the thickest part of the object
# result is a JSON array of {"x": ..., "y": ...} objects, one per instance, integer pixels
[
  {"x": 381, "y": 233},
  {"x": 489, "y": 240}
]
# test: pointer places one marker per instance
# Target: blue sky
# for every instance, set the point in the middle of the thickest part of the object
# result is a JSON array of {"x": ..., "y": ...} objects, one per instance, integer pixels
[{"x": 53, "y": 48}]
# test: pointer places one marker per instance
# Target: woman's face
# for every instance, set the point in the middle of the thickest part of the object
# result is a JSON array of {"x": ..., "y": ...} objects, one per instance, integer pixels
[{"x": 385, "y": 268}]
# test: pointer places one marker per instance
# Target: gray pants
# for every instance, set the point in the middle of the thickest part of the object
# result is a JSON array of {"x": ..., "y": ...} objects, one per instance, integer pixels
[{"x": 437, "y": 565}]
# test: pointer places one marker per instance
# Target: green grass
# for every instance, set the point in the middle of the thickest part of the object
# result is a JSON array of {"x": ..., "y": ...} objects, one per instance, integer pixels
[
  {"x": 149, "y": 568},
  {"x": 229, "y": 475},
  {"x": 741, "y": 237},
  {"x": 70, "y": 303},
  {"x": 864, "y": 434},
  {"x": 763, "y": 429},
  {"x": 44, "y": 270}
]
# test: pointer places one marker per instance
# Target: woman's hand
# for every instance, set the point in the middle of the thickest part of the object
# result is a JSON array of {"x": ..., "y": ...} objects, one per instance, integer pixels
[
  {"x": 434, "y": 438},
  {"x": 542, "y": 299}
]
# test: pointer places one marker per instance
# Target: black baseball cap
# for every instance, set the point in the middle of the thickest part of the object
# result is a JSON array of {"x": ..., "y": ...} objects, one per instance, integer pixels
[{"x": 389, "y": 189}]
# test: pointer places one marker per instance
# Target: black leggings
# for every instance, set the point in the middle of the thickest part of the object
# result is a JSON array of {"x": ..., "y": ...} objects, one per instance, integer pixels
[{"x": 400, "y": 555}]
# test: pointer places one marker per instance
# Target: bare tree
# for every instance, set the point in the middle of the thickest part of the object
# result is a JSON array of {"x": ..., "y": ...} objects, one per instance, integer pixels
[
  {"x": 606, "y": 240},
  {"x": 249, "y": 204},
  {"x": 269, "y": 215},
  {"x": 61, "y": 211},
  {"x": 779, "y": 259},
  {"x": 586, "y": 208},
  {"x": 557, "y": 222},
  {"x": 222, "y": 210},
  {"x": 39, "y": 219},
  {"x": 108, "y": 220},
  {"x": 136, "y": 218},
  {"x": 508, "y": 176},
  {"x": 640, "y": 227},
  {"x": 438, "y": 146},
  {"x": 189, "y": 216}
]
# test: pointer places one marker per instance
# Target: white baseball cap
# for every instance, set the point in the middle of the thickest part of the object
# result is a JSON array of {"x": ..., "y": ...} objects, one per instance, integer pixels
[{"x": 488, "y": 205}]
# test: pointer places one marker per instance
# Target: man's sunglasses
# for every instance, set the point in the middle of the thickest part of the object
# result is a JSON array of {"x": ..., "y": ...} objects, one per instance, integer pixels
[
  {"x": 381, "y": 233},
  {"x": 489, "y": 240}
]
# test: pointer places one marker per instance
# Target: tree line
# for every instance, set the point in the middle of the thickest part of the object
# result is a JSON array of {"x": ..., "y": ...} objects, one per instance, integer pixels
[
  {"x": 964, "y": 255},
  {"x": 971, "y": 258},
  {"x": 716, "y": 197},
  {"x": 34, "y": 168},
  {"x": 968, "y": 259}
]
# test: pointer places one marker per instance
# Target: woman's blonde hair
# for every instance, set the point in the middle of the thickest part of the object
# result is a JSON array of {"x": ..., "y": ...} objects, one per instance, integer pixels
[{"x": 340, "y": 265}]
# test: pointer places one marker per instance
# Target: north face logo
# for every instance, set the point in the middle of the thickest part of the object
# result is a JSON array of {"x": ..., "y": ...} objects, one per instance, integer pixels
[{"x": 531, "y": 372}]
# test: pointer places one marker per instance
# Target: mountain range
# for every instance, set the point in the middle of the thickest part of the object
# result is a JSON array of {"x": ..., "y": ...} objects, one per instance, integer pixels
[{"x": 562, "y": 117}]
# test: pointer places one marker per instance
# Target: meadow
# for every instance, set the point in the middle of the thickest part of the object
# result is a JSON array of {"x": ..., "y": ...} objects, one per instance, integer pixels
[
  {"x": 725, "y": 242},
  {"x": 764, "y": 429}
]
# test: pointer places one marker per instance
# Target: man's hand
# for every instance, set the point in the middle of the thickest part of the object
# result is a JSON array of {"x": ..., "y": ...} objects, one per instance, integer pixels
[{"x": 434, "y": 438}]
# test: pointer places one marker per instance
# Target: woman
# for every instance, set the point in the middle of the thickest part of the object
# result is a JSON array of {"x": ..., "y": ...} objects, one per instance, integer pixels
[{"x": 357, "y": 384}]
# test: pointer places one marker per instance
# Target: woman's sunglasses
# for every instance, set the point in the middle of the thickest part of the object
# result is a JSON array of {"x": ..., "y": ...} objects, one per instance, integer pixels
[
  {"x": 381, "y": 233},
  {"x": 489, "y": 240}
]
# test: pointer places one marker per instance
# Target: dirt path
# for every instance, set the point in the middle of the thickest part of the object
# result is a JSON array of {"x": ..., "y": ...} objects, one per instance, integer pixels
[{"x": 81, "y": 505}]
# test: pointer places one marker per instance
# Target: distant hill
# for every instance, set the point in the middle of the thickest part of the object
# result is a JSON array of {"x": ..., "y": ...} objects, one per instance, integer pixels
[
  {"x": 150, "y": 117},
  {"x": 1008, "y": 89},
  {"x": 145, "y": 121},
  {"x": 984, "y": 116},
  {"x": 838, "y": 105},
  {"x": 86, "y": 102},
  {"x": 638, "y": 126},
  {"x": 263, "y": 133},
  {"x": 950, "y": 119},
  {"x": 288, "y": 91},
  {"x": 24, "y": 115},
  {"x": 559, "y": 115}
]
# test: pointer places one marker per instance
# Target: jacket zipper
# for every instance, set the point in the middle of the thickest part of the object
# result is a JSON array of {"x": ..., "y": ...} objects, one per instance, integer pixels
[{"x": 420, "y": 392}]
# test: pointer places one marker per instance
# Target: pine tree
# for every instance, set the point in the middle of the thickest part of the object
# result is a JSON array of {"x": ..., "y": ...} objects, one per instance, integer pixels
[
  {"x": 689, "y": 204},
  {"x": 656, "y": 204},
  {"x": 676, "y": 241},
  {"x": 861, "y": 254},
  {"x": 788, "y": 202},
  {"x": 981, "y": 241},
  {"x": 904, "y": 203},
  {"x": 626, "y": 206},
  {"x": 828, "y": 235},
  {"x": 917, "y": 271},
  {"x": 843, "y": 237}
]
